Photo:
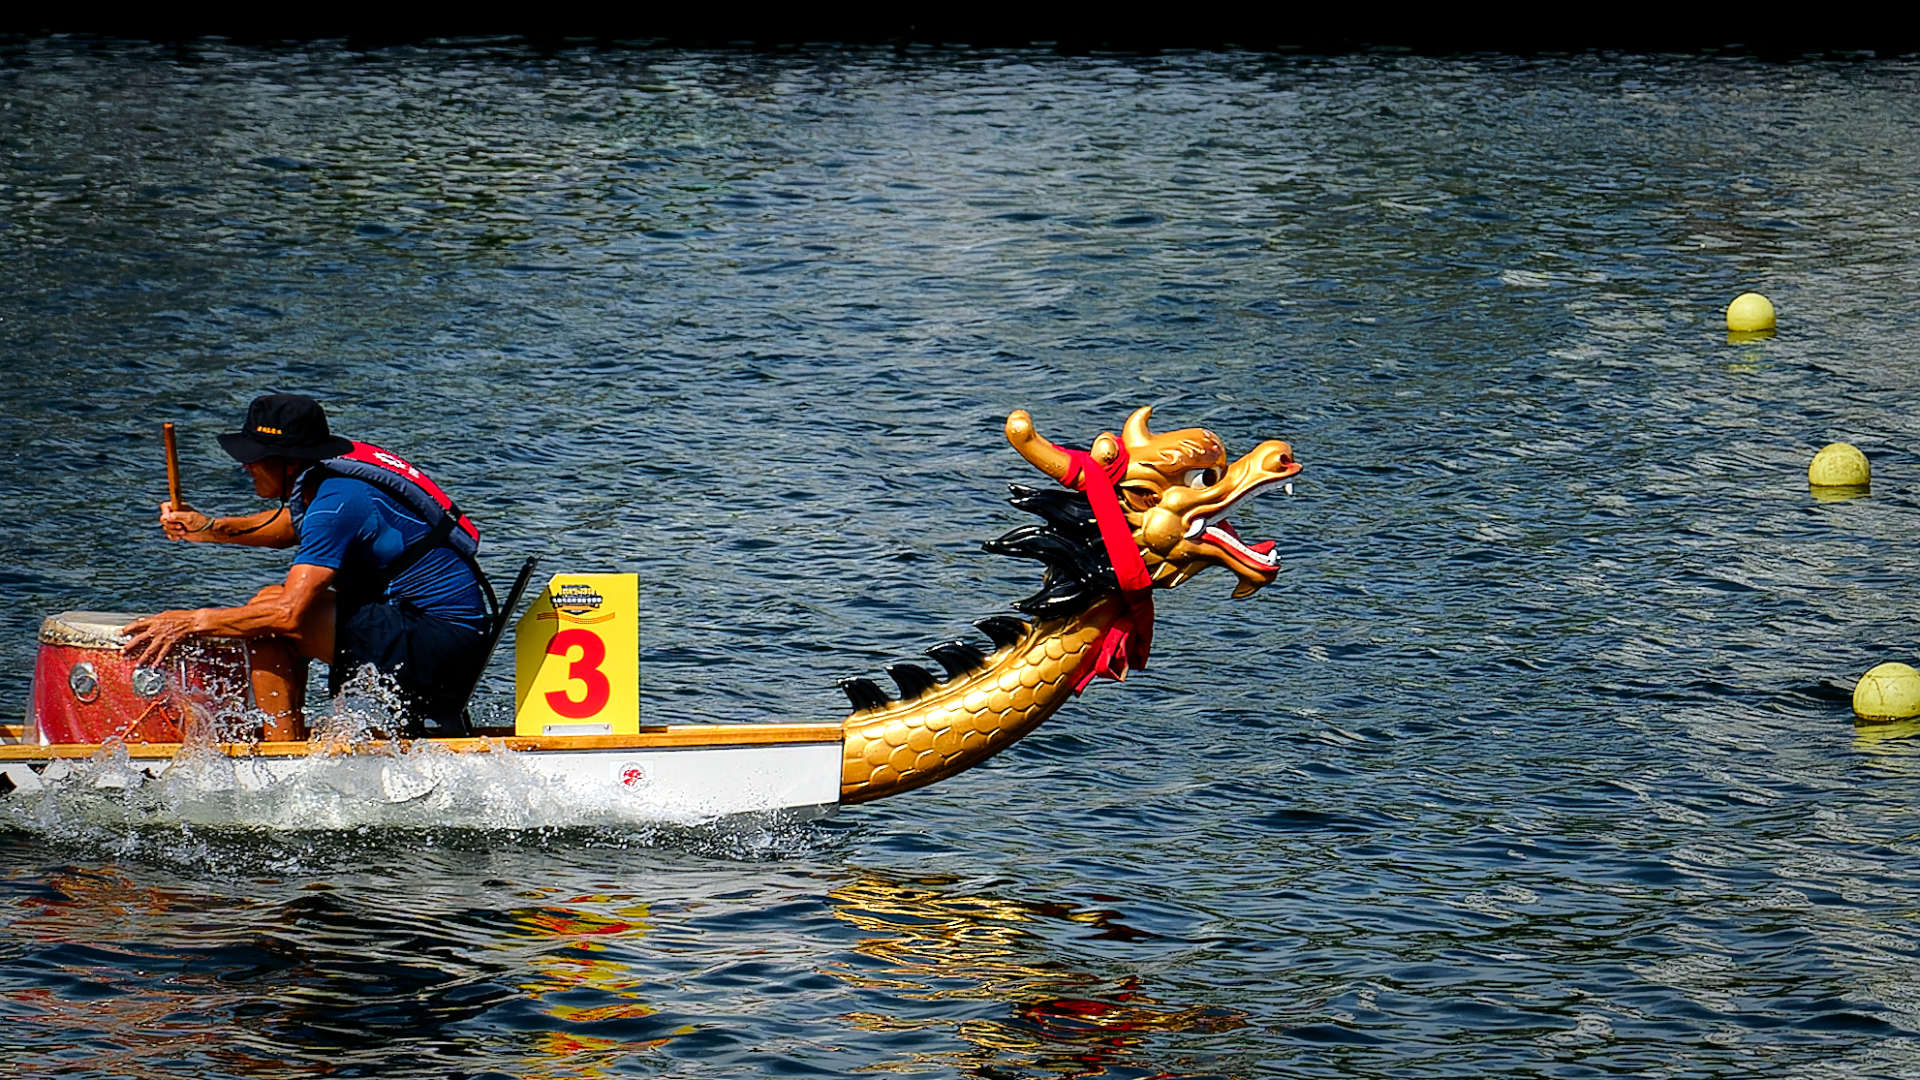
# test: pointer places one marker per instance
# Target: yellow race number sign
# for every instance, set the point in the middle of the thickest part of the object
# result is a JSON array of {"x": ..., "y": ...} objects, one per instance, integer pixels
[{"x": 576, "y": 658}]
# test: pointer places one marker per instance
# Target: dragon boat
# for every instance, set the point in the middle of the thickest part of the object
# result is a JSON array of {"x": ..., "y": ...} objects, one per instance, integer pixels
[{"x": 1136, "y": 512}]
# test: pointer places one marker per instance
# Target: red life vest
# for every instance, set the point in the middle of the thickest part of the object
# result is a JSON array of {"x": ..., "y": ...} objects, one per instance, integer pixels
[{"x": 416, "y": 490}]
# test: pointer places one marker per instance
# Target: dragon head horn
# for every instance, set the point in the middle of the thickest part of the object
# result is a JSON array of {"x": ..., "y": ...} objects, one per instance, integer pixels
[
  {"x": 1052, "y": 460},
  {"x": 1135, "y": 433}
]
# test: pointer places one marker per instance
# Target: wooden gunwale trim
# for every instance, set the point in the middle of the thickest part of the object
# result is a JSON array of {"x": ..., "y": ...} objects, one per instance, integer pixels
[{"x": 673, "y": 737}]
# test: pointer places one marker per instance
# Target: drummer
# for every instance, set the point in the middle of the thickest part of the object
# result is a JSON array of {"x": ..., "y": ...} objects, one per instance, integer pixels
[{"x": 383, "y": 573}]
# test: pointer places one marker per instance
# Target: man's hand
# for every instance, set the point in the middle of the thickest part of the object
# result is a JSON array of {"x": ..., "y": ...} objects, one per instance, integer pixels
[
  {"x": 149, "y": 640},
  {"x": 185, "y": 523}
]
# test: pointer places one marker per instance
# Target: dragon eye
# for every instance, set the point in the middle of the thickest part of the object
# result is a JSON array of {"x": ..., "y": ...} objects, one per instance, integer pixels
[{"x": 1201, "y": 477}]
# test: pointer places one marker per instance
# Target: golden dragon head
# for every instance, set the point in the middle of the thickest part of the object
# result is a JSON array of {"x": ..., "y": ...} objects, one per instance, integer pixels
[{"x": 1175, "y": 494}]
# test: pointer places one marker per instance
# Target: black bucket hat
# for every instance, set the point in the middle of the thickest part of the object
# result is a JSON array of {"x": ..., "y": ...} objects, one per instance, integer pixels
[{"x": 284, "y": 425}]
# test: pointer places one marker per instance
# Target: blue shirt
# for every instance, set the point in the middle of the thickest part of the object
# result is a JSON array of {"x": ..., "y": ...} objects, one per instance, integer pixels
[{"x": 357, "y": 530}]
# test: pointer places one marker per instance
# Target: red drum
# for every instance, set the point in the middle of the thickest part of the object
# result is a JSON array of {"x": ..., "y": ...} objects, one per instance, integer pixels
[{"x": 85, "y": 691}]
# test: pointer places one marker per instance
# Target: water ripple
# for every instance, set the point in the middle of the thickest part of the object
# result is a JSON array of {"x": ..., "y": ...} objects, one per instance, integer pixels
[{"x": 1536, "y": 761}]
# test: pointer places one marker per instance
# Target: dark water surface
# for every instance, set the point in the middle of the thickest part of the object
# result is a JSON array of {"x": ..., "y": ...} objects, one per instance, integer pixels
[{"x": 1536, "y": 762}]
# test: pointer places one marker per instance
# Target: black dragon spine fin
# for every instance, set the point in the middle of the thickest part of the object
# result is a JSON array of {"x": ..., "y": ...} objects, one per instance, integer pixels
[
  {"x": 958, "y": 657},
  {"x": 1005, "y": 630},
  {"x": 864, "y": 693},
  {"x": 912, "y": 679}
]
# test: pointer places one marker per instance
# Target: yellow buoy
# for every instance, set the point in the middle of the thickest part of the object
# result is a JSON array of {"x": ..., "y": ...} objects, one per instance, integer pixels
[
  {"x": 1889, "y": 691},
  {"x": 1749, "y": 312},
  {"x": 1839, "y": 465}
]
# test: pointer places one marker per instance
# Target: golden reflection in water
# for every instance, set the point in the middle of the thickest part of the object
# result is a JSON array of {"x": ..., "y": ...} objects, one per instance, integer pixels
[
  {"x": 1748, "y": 360},
  {"x": 1870, "y": 735},
  {"x": 1831, "y": 494},
  {"x": 935, "y": 943},
  {"x": 572, "y": 956}
]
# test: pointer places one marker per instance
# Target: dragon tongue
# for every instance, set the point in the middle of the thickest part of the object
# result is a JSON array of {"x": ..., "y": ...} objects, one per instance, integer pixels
[{"x": 1264, "y": 547}]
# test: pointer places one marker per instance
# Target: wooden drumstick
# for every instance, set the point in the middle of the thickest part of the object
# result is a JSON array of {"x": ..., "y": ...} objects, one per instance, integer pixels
[{"x": 173, "y": 464}]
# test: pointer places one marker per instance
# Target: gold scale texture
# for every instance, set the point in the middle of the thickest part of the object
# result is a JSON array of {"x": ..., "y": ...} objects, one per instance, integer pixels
[{"x": 962, "y": 722}]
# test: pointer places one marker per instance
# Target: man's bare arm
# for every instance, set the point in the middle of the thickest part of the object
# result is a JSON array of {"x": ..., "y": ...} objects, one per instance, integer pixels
[{"x": 284, "y": 610}]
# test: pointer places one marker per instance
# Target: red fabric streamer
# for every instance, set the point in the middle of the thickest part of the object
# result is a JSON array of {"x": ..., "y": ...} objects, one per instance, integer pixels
[{"x": 1123, "y": 644}]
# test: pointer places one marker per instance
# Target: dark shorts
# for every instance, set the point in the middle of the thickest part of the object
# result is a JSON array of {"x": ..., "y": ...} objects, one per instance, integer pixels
[{"x": 432, "y": 660}]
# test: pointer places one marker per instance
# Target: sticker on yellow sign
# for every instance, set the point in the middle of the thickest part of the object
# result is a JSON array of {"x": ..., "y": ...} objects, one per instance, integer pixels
[{"x": 576, "y": 658}]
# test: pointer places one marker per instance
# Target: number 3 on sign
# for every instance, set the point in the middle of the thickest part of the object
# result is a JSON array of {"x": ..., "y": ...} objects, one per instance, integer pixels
[
  {"x": 576, "y": 658},
  {"x": 585, "y": 670}
]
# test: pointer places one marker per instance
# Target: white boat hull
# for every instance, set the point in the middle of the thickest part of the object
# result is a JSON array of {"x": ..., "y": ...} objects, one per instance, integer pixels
[{"x": 669, "y": 776}]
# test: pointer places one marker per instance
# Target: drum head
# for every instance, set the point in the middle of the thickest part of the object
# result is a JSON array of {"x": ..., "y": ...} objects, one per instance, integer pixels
[{"x": 86, "y": 629}]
